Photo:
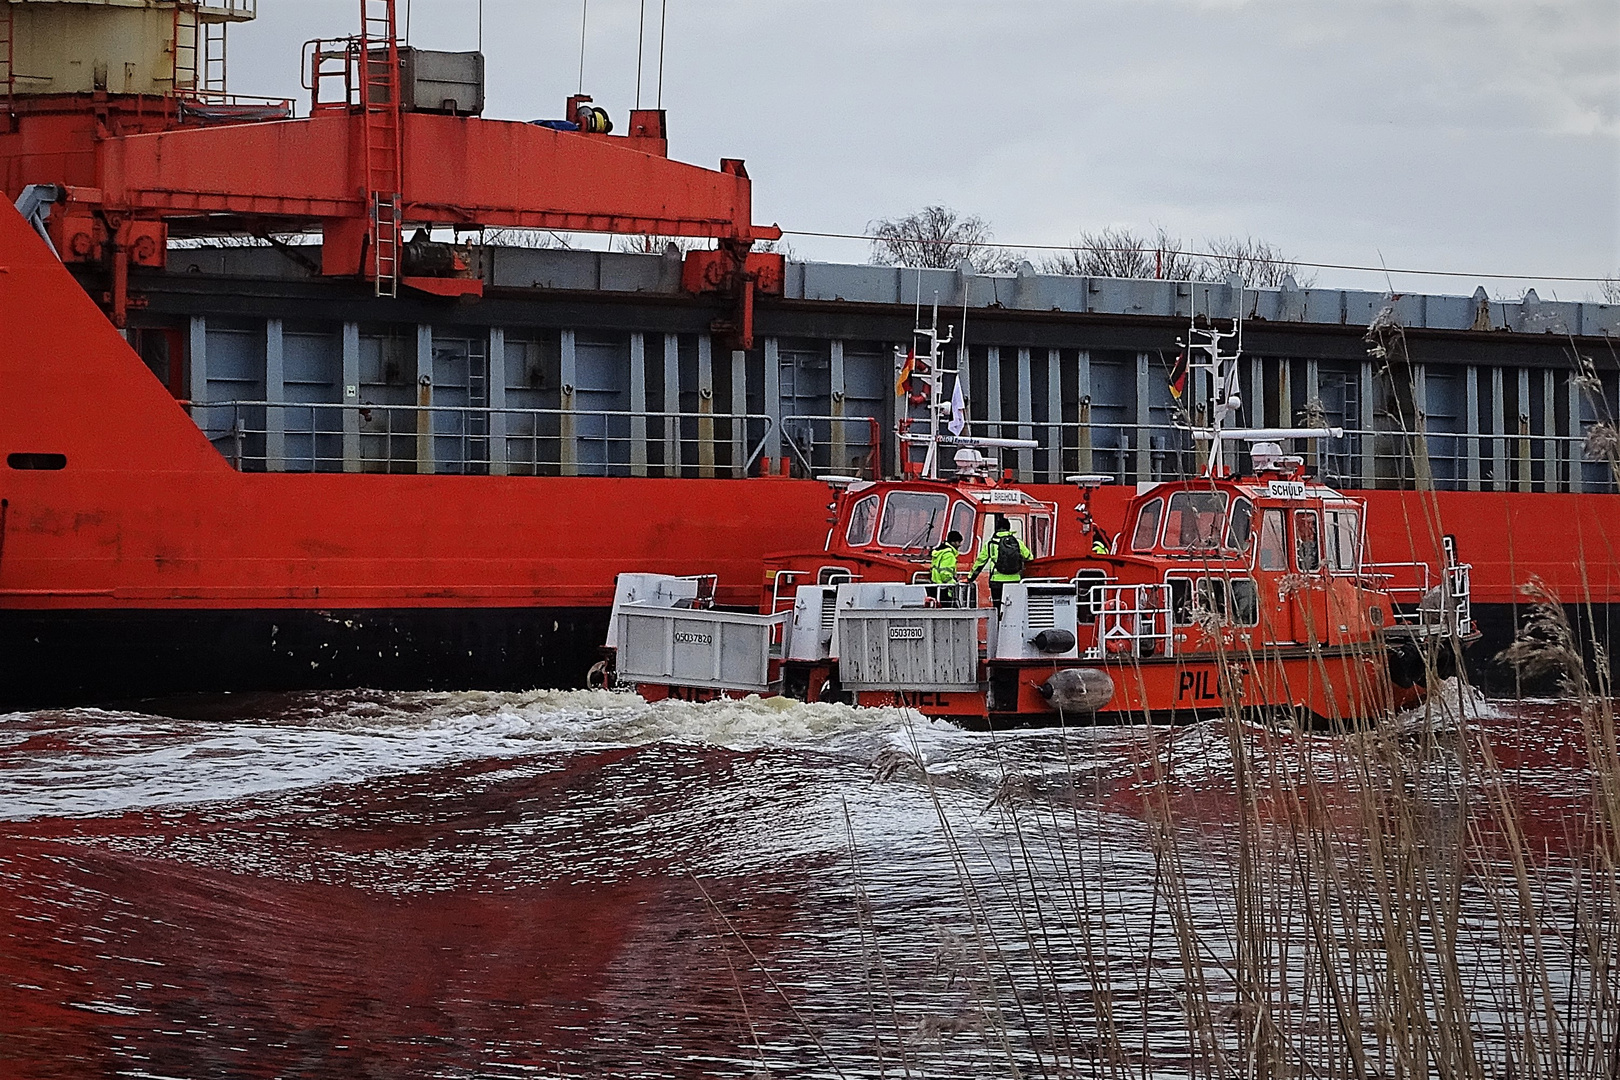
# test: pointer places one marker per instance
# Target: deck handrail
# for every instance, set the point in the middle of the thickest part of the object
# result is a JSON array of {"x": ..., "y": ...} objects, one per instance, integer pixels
[
  {"x": 1128, "y": 452},
  {"x": 413, "y": 434}
]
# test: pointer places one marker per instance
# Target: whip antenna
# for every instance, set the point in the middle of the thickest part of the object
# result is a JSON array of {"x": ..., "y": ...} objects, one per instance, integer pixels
[
  {"x": 641, "y": 40},
  {"x": 584, "y": 10},
  {"x": 663, "y": 23}
]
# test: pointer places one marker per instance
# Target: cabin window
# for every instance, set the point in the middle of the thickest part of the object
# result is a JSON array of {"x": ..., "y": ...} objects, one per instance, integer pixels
[
  {"x": 913, "y": 519},
  {"x": 1040, "y": 541},
  {"x": 1240, "y": 527},
  {"x": 1245, "y": 601},
  {"x": 1307, "y": 540},
  {"x": 962, "y": 515},
  {"x": 1181, "y": 600},
  {"x": 1235, "y": 600},
  {"x": 1147, "y": 526},
  {"x": 1273, "y": 550},
  {"x": 861, "y": 520},
  {"x": 1194, "y": 521},
  {"x": 987, "y": 529},
  {"x": 1344, "y": 540}
]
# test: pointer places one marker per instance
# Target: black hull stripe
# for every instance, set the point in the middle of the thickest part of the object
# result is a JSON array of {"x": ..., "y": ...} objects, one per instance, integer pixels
[{"x": 68, "y": 657}]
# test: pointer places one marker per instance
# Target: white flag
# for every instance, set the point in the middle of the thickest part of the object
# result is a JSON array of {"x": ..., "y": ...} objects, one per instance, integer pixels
[{"x": 958, "y": 410}]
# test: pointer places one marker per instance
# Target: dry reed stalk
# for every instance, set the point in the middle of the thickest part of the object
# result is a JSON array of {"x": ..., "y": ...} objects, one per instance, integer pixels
[
  {"x": 1373, "y": 903},
  {"x": 863, "y": 915},
  {"x": 987, "y": 1002},
  {"x": 731, "y": 928}
]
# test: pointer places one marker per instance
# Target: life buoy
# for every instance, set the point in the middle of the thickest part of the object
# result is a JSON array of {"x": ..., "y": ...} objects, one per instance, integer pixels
[{"x": 1116, "y": 635}]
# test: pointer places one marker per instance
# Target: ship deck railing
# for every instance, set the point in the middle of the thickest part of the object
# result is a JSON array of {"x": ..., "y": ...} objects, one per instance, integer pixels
[
  {"x": 263, "y": 436},
  {"x": 407, "y": 437},
  {"x": 1424, "y": 600},
  {"x": 1130, "y": 452},
  {"x": 850, "y": 445}
]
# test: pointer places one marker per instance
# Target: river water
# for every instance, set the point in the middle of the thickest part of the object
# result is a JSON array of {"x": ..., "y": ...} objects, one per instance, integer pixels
[{"x": 580, "y": 884}]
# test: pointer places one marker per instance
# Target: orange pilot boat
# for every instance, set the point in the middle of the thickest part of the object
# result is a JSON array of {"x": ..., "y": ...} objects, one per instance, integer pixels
[{"x": 1221, "y": 593}]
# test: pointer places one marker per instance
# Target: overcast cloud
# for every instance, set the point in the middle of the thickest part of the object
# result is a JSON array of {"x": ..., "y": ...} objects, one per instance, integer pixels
[{"x": 1473, "y": 135}]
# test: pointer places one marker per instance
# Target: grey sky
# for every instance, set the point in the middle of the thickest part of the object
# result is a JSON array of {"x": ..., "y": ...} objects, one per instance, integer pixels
[{"x": 1472, "y": 135}]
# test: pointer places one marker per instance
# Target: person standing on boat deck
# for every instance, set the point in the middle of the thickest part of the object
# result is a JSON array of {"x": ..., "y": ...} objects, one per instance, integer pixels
[
  {"x": 942, "y": 567},
  {"x": 1006, "y": 555}
]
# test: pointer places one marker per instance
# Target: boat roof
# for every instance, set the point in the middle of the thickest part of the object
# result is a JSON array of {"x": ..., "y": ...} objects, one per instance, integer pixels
[{"x": 973, "y": 489}]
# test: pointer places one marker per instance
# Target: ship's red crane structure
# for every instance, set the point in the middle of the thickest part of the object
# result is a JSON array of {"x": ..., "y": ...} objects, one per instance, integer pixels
[{"x": 165, "y": 152}]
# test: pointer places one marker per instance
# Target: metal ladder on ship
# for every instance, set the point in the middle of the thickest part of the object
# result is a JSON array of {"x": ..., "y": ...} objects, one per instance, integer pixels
[
  {"x": 199, "y": 51},
  {"x": 379, "y": 102},
  {"x": 186, "y": 49},
  {"x": 213, "y": 56}
]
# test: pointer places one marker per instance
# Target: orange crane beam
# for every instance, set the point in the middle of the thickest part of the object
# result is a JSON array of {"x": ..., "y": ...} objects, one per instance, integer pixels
[
  {"x": 462, "y": 171},
  {"x": 456, "y": 171}
]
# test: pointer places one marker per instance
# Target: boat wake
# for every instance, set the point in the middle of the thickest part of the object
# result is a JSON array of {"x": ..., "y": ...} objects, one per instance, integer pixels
[{"x": 93, "y": 762}]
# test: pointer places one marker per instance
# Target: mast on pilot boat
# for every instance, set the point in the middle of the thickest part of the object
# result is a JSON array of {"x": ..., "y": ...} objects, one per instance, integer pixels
[
  {"x": 1226, "y": 397},
  {"x": 933, "y": 439}
]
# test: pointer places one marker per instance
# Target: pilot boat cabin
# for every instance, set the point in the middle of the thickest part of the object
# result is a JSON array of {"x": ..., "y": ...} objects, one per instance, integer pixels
[{"x": 886, "y": 530}]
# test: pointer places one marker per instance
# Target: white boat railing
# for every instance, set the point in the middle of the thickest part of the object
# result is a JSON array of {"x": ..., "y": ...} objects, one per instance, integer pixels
[
  {"x": 1422, "y": 598},
  {"x": 1134, "y": 619}
]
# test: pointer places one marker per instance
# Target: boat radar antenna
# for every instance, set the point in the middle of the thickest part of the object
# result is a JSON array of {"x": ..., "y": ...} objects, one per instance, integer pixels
[
  {"x": 1226, "y": 400},
  {"x": 938, "y": 407}
]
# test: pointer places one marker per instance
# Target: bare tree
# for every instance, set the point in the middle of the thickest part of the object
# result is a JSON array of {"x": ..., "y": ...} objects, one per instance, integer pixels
[
  {"x": 1258, "y": 263},
  {"x": 536, "y": 239},
  {"x": 653, "y": 244},
  {"x": 646, "y": 244},
  {"x": 1609, "y": 289},
  {"x": 776, "y": 247},
  {"x": 937, "y": 237},
  {"x": 1124, "y": 253},
  {"x": 1109, "y": 252}
]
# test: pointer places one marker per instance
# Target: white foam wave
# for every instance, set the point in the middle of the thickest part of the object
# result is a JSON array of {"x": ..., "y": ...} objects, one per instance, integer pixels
[
  {"x": 90, "y": 762},
  {"x": 93, "y": 762}
]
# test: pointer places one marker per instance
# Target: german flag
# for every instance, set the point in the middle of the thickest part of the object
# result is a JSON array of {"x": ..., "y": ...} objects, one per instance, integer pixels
[
  {"x": 1178, "y": 376},
  {"x": 907, "y": 370}
]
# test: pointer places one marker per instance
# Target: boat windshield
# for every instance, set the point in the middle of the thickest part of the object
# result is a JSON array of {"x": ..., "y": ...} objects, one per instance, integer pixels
[
  {"x": 913, "y": 519},
  {"x": 962, "y": 515},
  {"x": 1147, "y": 526},
  {"x": 1273, "y": 553},
  {"x": 1195, "y": 520},
  {"x": 861, "y": 520},
  {"x": 1343, "y": 540},
  {"x": 1240, "y": 526}
]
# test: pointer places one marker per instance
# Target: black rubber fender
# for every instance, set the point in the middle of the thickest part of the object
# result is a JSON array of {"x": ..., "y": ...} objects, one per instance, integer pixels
[
  {"x": 1406, "y": 668},
  {"x": 1079, "y": 690}
]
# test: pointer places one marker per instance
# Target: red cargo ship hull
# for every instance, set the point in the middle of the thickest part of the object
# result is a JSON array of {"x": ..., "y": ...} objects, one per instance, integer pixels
[{"x": 135, "y": 560}]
